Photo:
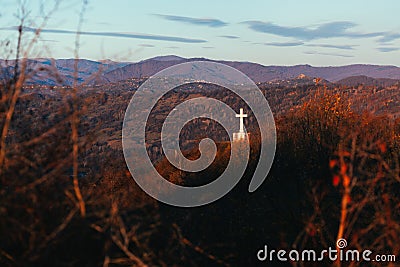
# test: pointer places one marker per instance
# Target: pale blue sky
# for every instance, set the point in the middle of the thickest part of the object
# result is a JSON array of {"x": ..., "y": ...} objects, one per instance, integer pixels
[{"x": 285, "y": 32}]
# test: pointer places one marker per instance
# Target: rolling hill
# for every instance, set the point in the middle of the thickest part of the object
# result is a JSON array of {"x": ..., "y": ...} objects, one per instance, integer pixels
[{"x": 101, "y": 72}]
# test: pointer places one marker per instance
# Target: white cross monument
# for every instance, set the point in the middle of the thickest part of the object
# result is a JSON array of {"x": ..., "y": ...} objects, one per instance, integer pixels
[{"x": 241, "y": 135}]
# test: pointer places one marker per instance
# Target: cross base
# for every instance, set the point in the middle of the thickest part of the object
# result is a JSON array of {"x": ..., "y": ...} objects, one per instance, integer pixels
[{"x": 240, "y": 136}]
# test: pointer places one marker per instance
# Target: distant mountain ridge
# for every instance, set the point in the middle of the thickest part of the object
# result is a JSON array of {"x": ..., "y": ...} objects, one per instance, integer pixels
[
  {"x": 367, "y": 81},
  {"x": 100, "y": 72}
]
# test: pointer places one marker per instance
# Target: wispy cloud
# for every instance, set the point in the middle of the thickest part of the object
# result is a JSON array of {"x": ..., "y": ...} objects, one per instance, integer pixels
[
  {"x": 326, "y": 30},
  {"x": 208, "y": 47},
  {"x": 284, "y": 44},
  {"x": 103, "y": 23},
  {"x": 388, "y": 49},
  {"x": 49, "y": 41},
  {"x": 146, "y": 45},
  {"x": 340, "y": 47},
  {"x": 389, "y": 37},
  {"x": 327, "y": 54},
  {"x": 292, "y": 44},
  {"x": 229, "y": 36},
  {"x": 115, "y": 34},
  {"x": 209, "y": 22}
]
